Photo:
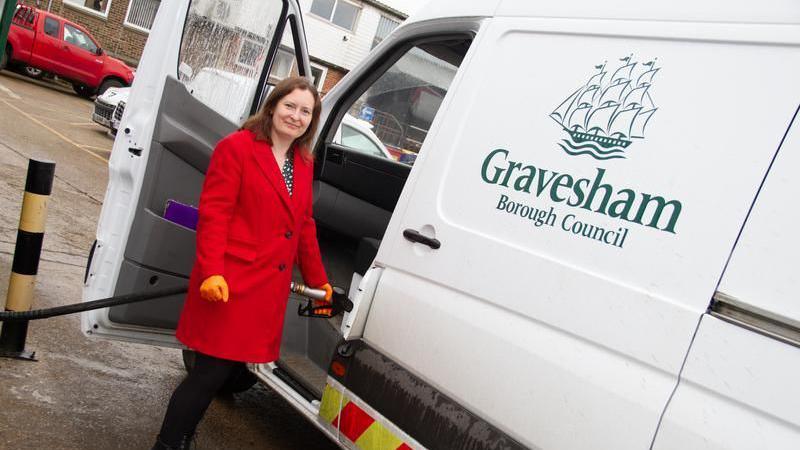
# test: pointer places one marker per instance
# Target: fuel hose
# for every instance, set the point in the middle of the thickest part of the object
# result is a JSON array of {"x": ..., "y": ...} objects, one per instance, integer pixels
[
  {"x": 36, "y": 314},
  {"x": 123, "y": 299}
]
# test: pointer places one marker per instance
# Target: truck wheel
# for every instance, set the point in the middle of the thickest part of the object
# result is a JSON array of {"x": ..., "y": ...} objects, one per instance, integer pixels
[
  {"x": 33, "y": 72},
  {"x": 109, "y": 83},
  {"x": 83, "y": 90},
  {"x": 240, "y": 381}
]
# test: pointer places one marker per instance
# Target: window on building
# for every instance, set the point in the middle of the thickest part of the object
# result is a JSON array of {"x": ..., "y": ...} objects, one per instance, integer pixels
[
  {"x": 141, "y": 13},
  {"x": 250, "y": 53},
  {"x": 339, "y": 12},
  {"x": 99, "y": 6},
  {"x": 77, "y": 37},
  {"x": 318, "y": 74},
  {"x": 385, "y": 26},
  {"x": 51, "y": 27},
  {"x": 282, "y": 65}
]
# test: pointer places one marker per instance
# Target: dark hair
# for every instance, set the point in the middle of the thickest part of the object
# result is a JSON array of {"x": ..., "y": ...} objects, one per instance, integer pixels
[{"x": 261, "y": 122}]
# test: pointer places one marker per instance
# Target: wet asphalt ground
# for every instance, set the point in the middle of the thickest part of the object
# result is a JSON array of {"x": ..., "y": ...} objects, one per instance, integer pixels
[{"x": 86, "y": 393}]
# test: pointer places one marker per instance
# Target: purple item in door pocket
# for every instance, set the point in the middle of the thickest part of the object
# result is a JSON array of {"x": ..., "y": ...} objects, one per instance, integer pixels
[{"x": 185, "y": 215}]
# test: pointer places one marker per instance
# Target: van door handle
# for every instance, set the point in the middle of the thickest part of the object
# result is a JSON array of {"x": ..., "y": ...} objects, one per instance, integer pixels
[{"x": 415, "y": 236}]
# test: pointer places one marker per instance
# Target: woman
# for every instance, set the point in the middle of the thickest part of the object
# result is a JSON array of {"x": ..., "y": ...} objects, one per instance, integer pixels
[{"x": 254, "y": 222}]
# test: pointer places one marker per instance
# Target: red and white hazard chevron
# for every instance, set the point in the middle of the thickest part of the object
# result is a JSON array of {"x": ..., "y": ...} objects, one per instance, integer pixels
[{"x": 359, "y": 424}]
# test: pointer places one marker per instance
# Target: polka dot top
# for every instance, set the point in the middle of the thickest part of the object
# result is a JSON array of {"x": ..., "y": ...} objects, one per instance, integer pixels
[{"x": 288, "y": 171}]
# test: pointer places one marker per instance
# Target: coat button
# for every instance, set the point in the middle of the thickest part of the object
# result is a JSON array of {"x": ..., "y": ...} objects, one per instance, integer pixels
[
  {"x": 288, "y": 235},
  {"x": 281, "y": 267}
]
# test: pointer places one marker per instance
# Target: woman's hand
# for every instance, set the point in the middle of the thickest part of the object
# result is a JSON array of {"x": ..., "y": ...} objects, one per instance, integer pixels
[
  {"x": 327, "y": 300},
  {"x": 214, "y": 289}
]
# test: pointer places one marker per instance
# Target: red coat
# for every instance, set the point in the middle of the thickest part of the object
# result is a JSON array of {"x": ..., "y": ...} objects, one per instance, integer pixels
[{"x": 250, "y": 231}]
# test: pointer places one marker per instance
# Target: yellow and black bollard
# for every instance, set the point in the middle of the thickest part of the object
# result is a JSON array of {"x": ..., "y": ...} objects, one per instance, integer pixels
[{"x": 38, "y": 185}]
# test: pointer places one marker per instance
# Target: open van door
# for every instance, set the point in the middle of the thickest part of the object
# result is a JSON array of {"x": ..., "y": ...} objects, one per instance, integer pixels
[{"x": 206, "y": 67}]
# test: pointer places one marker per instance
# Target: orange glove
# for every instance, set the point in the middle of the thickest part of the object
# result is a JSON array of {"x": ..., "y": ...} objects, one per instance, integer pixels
[
  {"x": 214, "y": 289},
  {"x": 328, "y": 294}
]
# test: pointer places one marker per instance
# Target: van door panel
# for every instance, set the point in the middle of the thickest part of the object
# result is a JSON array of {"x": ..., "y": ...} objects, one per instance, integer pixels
[
  {"x": 739, "y": 387},
  {"x": 184, "y": 137},
  {"x": 590, "y": 326},
  {"x": 757, "y": 275},
  {"x": 191, "y": 95},
  {"x": 738, "y": 391},
  {"x": 357, "y": 174}
]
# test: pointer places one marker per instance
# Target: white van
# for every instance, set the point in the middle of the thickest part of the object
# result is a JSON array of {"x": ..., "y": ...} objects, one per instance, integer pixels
[{"x": 592, "y": 250}]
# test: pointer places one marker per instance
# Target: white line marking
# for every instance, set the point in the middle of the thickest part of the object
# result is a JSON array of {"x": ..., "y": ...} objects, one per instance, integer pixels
[
  {"x": 92, "y": 147},
  {"x": 9, "y": 92},
  {"x": 64, "y": 138}
]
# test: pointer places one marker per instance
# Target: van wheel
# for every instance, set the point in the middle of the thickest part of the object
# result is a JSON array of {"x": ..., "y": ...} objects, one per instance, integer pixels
[
  {"x": 240, "y": 381},
  {"x": 108, "y": 84},
  {"x": 83, "y": 90}
]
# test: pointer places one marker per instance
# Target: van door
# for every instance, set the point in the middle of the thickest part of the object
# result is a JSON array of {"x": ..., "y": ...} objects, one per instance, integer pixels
[
  {"x": 568, "y": 218},
  {"x": 739, "y": 388},
  {"x": 204, "y": 70}
]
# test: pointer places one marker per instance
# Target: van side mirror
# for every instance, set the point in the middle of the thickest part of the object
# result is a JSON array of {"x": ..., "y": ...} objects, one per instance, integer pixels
[{"x": 99, "y": 51}]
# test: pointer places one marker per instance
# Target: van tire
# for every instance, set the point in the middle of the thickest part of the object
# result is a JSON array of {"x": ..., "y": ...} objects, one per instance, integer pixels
[
  {"x": 83, "y": 90},
  {"x": 108, "y": 83},
  {"x": 240, "y": 381}
]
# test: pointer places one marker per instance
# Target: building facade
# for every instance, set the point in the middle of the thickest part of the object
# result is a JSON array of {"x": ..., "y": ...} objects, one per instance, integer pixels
[
  {"x": 340, "y": 33},
  {"x": 120, "y": 26}
]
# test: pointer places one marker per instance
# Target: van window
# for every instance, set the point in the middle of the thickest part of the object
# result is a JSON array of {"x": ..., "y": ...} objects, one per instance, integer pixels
[
  {"x": 51, "y": 27},
  {"x": 399, "y": 107},
  {"x": 223, "y": 53}
]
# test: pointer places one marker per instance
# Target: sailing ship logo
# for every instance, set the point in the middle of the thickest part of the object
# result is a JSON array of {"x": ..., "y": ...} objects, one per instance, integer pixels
[{"x": 603, "y": 116}]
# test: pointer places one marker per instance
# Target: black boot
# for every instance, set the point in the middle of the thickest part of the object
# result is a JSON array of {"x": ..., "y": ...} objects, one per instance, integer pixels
[{"x": 185, "y": 444}]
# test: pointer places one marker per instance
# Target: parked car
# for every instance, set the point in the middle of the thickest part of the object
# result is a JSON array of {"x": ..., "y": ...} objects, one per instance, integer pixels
[
  {"x": 43, "y": 42},
  {"x": 357, "y": 134},
  {"x": 109, "y": 106}
]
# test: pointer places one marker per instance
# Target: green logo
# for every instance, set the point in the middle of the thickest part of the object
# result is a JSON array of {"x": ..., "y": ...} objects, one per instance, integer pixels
[{"x": 603, "y": 116}]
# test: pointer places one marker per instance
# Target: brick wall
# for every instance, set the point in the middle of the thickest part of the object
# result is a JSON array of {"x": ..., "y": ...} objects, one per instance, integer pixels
[
  {"x": 116, "y": 39},
  {"x": 333, "y": 77}
]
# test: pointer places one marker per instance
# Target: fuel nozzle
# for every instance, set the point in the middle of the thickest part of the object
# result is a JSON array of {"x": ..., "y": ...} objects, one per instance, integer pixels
[{"x": 313, "y": 307}]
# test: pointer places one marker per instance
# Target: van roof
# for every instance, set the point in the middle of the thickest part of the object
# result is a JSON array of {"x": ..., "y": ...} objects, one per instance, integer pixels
[{"x": 729, "y": 11}]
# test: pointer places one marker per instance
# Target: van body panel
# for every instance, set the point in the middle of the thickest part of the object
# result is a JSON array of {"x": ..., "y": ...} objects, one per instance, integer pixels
[
  {"x": 542, "y": 386},
  {"x": 759, "y": 273},
  {"x": 771, "y": 11},
  {"x": 738, "y": 390},
  {"x": 411, "y": 404},
  {"x": 500, "y": 282},
  {"x": 447, "y": 9}
]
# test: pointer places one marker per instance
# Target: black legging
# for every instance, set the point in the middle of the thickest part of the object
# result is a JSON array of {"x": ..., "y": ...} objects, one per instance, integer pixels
[{"x": 192, "y": 397}]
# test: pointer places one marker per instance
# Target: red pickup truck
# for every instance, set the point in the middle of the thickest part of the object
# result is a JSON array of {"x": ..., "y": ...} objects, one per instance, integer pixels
[{"x": 53, "y": 44}]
